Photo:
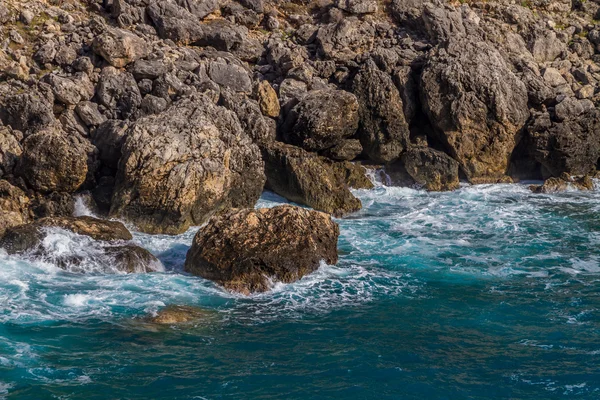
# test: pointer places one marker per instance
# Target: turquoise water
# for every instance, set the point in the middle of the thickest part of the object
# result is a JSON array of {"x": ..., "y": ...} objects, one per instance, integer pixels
[{"x": 489, "y": 292}]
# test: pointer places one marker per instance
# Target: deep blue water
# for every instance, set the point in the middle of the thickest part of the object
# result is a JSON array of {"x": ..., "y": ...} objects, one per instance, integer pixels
[{"x": 490, "y": 292}]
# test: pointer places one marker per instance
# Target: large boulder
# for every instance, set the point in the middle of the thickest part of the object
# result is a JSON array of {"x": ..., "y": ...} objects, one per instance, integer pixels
[
  {"x": 321, "y": 120},
  {"x": 184, "y": 164},
  {"x": 306, "y": 178},
  {"x": 571, "y": 146},
  {"x": 14, "y": 206},
  {"x": 27, "y": 112},
  {"x": 246, "y": 250},
  {"x": 55, "y": 161},
  {"x": 383, "y": 131},
  {"x": 174, "y": 22},
  {"x": 476, "y": 104},
  {"x": 120, "y": 47},
  {"x": 344, "y": 40},
  {"x": 427, "y": 168},
  {"x": 110, "y": 245}
]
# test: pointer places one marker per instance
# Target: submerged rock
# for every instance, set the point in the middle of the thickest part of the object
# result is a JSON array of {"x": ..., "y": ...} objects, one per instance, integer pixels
[
  {"x": 306, "y": 178},
  {"x": 175, "y": 314},
  {"x": 181, "y": 166},
  {"x": 245, "y": 250},
  {"x": 109, "y": 245}
]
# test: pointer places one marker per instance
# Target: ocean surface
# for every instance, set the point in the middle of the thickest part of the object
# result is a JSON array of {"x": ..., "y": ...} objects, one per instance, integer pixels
[{"x": 489, "y": 292}]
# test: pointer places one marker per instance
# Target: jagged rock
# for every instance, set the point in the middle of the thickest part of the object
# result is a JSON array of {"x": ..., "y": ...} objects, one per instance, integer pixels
[
  {"x": 27, "y": 112},
  {"x": 200, "y": 8},
  {"x": 321, "y": 120},
  {"x": 344, "y": 40},
  {"x": 353, "y": 174},
  {"x": 267, "y": 99},
  {"x": 563, "y": 184},
  {"x": 358, "y": 6},
  {"x": 571, "y": 146},
  {"x": 46, "y": 53},
  {"x": 476, "y": 104},
  {"x": 442, "y": 22},
  {"x": 346, "y": 150},
  {"x": 14, "y": 206},
  {"x": 181, "y": 166},
  {"x": 89, "y": 113},
  {"x": 120, "y": 47},
  {"x": 55, "y": 161},
  {"x": 431, "y": 169},
  {"x": 256, "y": 126},
  {"x": 55, "y": 204},
  {"x": 546, "y": 46},
  {"x": 10, "y": 150},
  {"x": 118, "y": 92},
  {"x": 244, "y": 250},
  {"x": 148, "y": 69},
  {"x": 305, "y": 178},
  {"x": 72, "y": 90},
  {"x": 232, "y": 76},
  {"x": 112, "y": 237},
  {"x": 153, "y": 105},
  {"x": 383, "y": 131},
  {"x": 174, "y": 22}
]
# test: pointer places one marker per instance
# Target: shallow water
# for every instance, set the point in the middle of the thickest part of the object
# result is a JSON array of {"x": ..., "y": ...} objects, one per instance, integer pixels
[{"x": 490, "y": 292}]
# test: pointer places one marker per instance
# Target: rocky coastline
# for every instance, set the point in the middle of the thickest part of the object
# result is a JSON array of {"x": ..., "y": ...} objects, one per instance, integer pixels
[{"x": 178, "y": 113}]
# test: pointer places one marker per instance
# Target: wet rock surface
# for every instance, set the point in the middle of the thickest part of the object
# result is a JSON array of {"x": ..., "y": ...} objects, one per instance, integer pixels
[{"x": 246, "y": 250}]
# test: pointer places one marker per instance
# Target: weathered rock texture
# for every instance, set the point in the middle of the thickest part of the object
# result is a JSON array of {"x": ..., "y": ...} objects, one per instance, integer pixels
[
  {"x": 247, "y": 250},
  {"x": 183, "y": 165}
]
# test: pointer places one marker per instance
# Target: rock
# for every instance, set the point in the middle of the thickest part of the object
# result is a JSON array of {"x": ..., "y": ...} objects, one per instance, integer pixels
[
  {"x": 256, "y": 126},
  {"x": 183, "y": 165},
  {"x": 321, "y": 120},
  {"x": 46, "y": 53},
  {"x": 358, "y": 6},
  {"x": 200, "y": 8},
  {"x": 345, "y": 150},
  {"x": 65, "y": 56},
  {"x": 476, "y": 104},
  {"x": 14, "y": 206},
  {"x": 153, "y": 105},
  {"x": 563, "y": 184},
  {"x": 546, "y": 46},
  {"x": 120, "y": 47},
  {"x": 89, "y": 113},
  {"x": 28, "y": 112},
  {"x": 10, "y": 150},
  {"x": 305, "y": 178},
  {"x": 54, "y": 161},
  {"x": 571, "y": 146},
  {"x": 267, "y": 99},
  {"x": 111, "y": 248},
  {"x": 353, "y": 174},
  {"x": 148, "y": 69},
  {"x": 431, "y": 169},
  {"x": 232, "y": 76},
  {"x": 245, "y": 250},
  {"x": 344, "y": 40},
  {"x": 174, "y": 22},
  {"x": 383, "y": 131},
  {"x": 571, "y": 108},
  {"x": 118, "y": 92},
  {"x": 55, "y": 204},
  {"x": 174, "y": 314},
  {"x": 70, "y": 91}
]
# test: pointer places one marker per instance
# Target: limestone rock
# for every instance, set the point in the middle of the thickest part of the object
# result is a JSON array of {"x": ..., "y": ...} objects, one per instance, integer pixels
[
  {"x": 244, "y": 250},
  {"x": 120, "y": 47},
  {"x": 183, "y": 165}
]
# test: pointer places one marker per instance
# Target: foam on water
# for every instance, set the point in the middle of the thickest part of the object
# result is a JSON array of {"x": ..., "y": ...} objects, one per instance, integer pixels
[{"x": 510, "y": 247}]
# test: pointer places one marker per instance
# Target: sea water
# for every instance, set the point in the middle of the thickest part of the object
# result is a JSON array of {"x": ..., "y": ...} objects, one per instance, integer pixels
[{"x": 488, "y": 292}]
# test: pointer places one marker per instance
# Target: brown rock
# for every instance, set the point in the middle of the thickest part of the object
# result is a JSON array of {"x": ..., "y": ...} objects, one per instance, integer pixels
[
  {"x": 244, "y": 249},
  {"x": 13, "y": 206},
  {"x": 268, "y": 100}
]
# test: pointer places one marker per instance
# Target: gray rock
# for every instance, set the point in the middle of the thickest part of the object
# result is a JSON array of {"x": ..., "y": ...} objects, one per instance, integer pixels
[
  {"x": 183, "y": 165},
  {"x": 358, "y": 6},
  {"x": 148, "y": 69},
  {"x": 200, "y": 8},
  {"x": 383, "y": 131},
  {"x": 321, "y": 120},
  {"x": 70, "y": 90},
  {"x": 119, "y": 92},
  {"x": 256, "y": 126},
  {"x": 89, "y": 113},
  {"x": 231, "y": 76},
  {"x": 344, "y": 40},
  {"x": 476, "y": 104},
  {"x": 10, "y": 150},
  {"x": 120, "y": 47},
  {"x": 28, "y": 112}
]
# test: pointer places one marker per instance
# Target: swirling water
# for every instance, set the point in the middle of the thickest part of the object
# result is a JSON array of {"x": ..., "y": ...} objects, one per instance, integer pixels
[{"x": 489, "y": 292}]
